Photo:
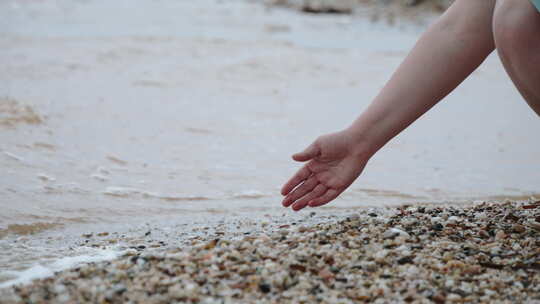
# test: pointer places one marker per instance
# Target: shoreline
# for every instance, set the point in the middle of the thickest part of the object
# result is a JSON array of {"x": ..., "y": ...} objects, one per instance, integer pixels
[
  {"x": 416, "y": 11},
  {"x": 39, "y": 251},
  {"x": 423, "y": 253}
]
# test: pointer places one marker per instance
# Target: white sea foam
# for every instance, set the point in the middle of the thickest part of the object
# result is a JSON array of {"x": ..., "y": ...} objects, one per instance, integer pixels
[
  {"x": 99, "y": 177},
  {"x": 123, "y": 191},
  {"x": 13, "y": 156},
  {"x": 40, "y": 271},
  {"x": 46, "y": 178}
]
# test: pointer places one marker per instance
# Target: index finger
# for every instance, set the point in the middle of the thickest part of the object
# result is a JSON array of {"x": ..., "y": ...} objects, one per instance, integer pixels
[{"x": 299, "y": 177}]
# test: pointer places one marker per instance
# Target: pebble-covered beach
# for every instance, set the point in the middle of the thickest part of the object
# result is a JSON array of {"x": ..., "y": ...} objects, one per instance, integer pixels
[{"x": 477, "y": 253}]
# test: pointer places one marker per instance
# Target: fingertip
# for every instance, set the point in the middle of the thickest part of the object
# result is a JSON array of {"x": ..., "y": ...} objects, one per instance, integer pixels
[
  {"x": 305, "y": 155},
  {"x": 286, "y": 189},
  {"x": 314, "y": 203},
  {"x": 285, "y": 202},
  {"x": 310, "y": 152},
  {"x": 299, "y": 157}
]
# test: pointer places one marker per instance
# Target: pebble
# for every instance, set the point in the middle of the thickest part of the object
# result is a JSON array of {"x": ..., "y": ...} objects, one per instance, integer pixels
[
  {"x": 380, "y": 256},
  {"x": 453, "y": 220},
  {"x": 500, "y": 235},
  {"x": 401, "y": 255},
  {"x": 483, "y": 233},
  {"x": 394, "y": 232},
  {"x": 518, "y": 228},
  {"x": 533, "y": 224}
]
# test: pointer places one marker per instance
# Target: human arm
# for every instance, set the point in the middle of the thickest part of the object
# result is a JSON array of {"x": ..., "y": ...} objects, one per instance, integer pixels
[{"x": 449, "y": 51}]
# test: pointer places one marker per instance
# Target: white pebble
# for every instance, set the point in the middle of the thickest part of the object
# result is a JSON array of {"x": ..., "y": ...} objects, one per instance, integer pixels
[
  {"x": 453, "y": 220},
  {"x": 393, "y": 232}
]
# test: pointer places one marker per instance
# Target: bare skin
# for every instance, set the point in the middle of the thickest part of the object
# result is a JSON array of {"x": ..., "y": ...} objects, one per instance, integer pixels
[
  {"x": 516, "y": 26},
  {"x": 334, "y": 161}
]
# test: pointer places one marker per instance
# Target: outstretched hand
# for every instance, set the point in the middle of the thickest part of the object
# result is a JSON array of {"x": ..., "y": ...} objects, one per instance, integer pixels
[{"x": 332, "y": 165}]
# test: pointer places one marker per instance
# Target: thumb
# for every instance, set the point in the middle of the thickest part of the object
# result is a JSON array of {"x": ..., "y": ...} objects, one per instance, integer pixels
[{"x": 310, "y": 152}]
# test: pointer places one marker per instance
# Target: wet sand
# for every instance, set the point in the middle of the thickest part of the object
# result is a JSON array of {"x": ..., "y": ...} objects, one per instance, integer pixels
[{"x": 183, "y": 115}]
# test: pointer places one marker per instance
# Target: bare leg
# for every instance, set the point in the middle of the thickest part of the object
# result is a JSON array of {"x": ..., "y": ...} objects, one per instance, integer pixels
[{"x": 516, "y": 29}]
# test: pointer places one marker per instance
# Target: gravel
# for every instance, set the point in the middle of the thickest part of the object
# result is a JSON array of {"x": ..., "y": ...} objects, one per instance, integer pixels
[{"x": 483, "y": 252}]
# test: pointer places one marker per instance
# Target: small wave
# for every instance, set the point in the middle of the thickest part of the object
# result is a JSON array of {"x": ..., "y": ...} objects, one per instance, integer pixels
[
  {"x": 13, "y": 156},
  {"x": 198, "y": 130},
  {"x": 43, "y": 145},
  {"x": 151, "y": 83},
  {"x": 39, "y": 271},
  {"x": 122, "y": 191},
  {"x": 46, "y": 178},
  {"x": 387, "y": 193},
  {"x": 65, "y": 188},
  {"x": 117, "y": 160},
  {"x": 101, "y": 174},
  {"x": 130, "y": 192},
  {"x": 99, "y": 177},
  {"x": 511, "y": 197},
  {"x": 249, "y": 194},
  {"x": 172, "y": 198}
]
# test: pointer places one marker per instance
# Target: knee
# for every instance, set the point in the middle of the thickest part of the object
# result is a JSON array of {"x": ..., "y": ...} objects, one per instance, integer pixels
[{"x": 511, "y": 28}]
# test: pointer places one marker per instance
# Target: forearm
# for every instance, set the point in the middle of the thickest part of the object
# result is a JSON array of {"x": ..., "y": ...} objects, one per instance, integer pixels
[{"x": 448, "y": 52}]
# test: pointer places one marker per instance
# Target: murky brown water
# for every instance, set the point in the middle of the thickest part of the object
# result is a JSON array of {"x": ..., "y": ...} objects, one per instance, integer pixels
[{"x": 118, "y": 114}]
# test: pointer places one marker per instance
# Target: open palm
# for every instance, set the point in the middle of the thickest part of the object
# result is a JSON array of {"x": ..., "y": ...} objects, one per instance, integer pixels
[{"x": 332, "y": 166}]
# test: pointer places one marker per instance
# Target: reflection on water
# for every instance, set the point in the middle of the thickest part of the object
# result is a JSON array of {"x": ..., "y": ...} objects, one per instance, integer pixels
[{"x": 183, "y": 111}]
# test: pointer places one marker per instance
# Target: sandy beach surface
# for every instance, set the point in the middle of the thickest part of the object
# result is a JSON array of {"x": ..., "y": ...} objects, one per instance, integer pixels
[
  {"x": 136, "y": 123},
  {"x": 483, "y": 253}
]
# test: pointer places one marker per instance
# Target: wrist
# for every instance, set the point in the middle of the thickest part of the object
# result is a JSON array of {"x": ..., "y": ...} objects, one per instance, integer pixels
[{"x": 361, "y": 146}]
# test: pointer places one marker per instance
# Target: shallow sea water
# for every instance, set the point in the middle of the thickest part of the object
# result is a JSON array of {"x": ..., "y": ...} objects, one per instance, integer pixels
[{"x": 135, "y": 116}]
